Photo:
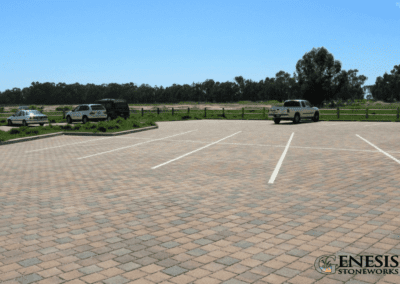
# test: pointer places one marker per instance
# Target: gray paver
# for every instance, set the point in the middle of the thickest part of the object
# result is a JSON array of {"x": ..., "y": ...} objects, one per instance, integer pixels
[
  {"x": 174, "y": 270},
  {"x": 30, "y": 262},
  {"x": 30, "y": 278}
]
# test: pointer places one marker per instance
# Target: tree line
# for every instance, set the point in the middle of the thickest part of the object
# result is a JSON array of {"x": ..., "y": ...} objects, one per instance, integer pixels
[{"x": 318, "y": 78}]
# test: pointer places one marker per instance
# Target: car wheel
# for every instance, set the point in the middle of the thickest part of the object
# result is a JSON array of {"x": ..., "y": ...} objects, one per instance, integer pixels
[
  {"x": 85, "y": 119},
  {"x": 296, "y": 118},
  {"x": 316, "y": 117},
  {"x": 277, "y": 120},
  {"x": 24, "y": 123},
  {"x": 69, "y": 120},
  {"x": 109, "y": 118},
  {"x": 9, "y": 122}
]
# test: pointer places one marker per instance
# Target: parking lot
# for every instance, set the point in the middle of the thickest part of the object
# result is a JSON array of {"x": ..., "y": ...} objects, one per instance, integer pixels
[{"x": 203, "y": 201}]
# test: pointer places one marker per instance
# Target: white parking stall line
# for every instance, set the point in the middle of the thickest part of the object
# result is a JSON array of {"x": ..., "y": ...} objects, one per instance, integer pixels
[
  {"x": 135, "y": 145},
  {"x": 278, "y": 166},
  {"x": 279, "y": 146},
  {"x": 391, "y": 157},
  {"x": 68, "y": 144},
  {"x": 194, "y": 151}
]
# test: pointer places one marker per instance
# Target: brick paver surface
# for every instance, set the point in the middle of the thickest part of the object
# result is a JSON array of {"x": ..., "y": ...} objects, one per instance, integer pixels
[{"x": 71, "y": 213}]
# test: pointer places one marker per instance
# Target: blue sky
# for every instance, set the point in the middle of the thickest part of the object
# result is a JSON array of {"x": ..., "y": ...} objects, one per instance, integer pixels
[{"x": 166, "y": 42}]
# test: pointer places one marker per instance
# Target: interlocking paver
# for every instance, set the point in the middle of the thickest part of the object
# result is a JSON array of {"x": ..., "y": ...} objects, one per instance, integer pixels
[{"x": 63, "y": 216}]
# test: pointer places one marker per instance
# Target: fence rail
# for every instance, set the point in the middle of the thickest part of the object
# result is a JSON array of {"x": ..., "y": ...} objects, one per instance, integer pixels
[{"x": 225, "y": 110}]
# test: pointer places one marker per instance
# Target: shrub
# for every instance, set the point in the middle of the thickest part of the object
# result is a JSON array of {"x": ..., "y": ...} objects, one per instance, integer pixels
[
  {"x": 14, "y": 110},
  {"x": 101, "y": 128},
  {"x": 1, "y": 109},
  {"x": 14, "y": 131},
  {"x": 135, "y": 124},
  {"x": 90, "y": 126},
  {"x": 186, "y": 117},
  {"x": 32, "y": 107},
  {"x": 66, "y": 127},
  {"x": 77, "y": 127},
  {"x": 115, "y": 126},
  {"x": 3, "y": 120},
  {"x": 32, "y": 131}
]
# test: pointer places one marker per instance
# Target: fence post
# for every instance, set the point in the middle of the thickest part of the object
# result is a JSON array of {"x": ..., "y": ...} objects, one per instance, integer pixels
[
  {"x": 172, "y": 111},
  {"x": 338, "y": 112},
  {"x": 188, "y": 110},
  {"x": 205, "y": 112},
  {"x": 264, "y": 112},
  {"x": 366, "y": 113},
  {"x": 223, "y": 112},
  {"x": 242, "y": 112},
  {"x": 142, "y": 111},
  {"x": 398, "y": 112},
  {"x": 63, "y": 113}
]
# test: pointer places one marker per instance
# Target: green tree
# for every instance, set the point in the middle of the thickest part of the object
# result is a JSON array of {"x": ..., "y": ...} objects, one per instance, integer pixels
[{"x": 314, "y": 74}]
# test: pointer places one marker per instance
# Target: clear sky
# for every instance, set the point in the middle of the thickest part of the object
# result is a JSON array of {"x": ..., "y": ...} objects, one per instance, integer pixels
[{"x": 166, "y": 42}]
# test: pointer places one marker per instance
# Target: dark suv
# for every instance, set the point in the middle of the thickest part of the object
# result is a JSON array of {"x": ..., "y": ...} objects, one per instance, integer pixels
[{"x": 115, "y": 108}]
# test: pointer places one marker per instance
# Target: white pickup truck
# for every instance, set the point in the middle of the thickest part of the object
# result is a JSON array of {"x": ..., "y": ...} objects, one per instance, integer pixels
[{"x": 294, "y": 110}]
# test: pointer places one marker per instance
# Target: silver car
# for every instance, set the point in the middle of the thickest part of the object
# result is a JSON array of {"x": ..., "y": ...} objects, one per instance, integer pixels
[
  {"x": 87, "y": 112},
  {"x": 27, "y": 116}
]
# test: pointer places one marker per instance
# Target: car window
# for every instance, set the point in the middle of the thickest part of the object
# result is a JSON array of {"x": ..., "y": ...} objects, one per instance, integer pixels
[
  {"x": 77, "y": 108},
  {"x": 121, "y": 105},
  {"x": 291, "y": 104},
  {"x": 34, "y": 112},
  {"x": 97, "y": 107},
  {"x": 308, "y": 104},
  {"x": 303, "y": 104},
  {"x": 17, "y": 113},
  {"x": 108, "y": 105}
]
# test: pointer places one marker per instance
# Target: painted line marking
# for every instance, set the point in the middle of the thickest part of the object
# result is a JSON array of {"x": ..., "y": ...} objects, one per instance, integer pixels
[
  {"x": 278, "y": 166},
  {"x": 135, "y": 145},
  {"x": 265, "y": 145},
  {"x": 193, "y": 151},
  {"x": 391, "y": 157},
  {"x": 67, "y": 144}
]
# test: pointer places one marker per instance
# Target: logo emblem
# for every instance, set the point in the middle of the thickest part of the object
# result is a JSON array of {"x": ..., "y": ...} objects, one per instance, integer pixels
[{"x": 324, "y": 265}]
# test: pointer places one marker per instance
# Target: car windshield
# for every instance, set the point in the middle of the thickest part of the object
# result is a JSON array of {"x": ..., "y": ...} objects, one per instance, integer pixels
[
  {"x": 291, "y": 104},
  {"x": 97, "y": 107},
  {"x": 121, "y": 105},
  {"x": 34, "y": 112}
]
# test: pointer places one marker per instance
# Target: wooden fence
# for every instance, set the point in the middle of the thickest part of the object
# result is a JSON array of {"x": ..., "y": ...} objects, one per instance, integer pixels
[{"x": 264, "y": 111}]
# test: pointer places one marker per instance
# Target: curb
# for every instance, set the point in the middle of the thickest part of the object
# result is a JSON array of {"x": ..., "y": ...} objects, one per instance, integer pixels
[
  {"x": 111, "y": 134},
  {"x": 24, "y": 139}
]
